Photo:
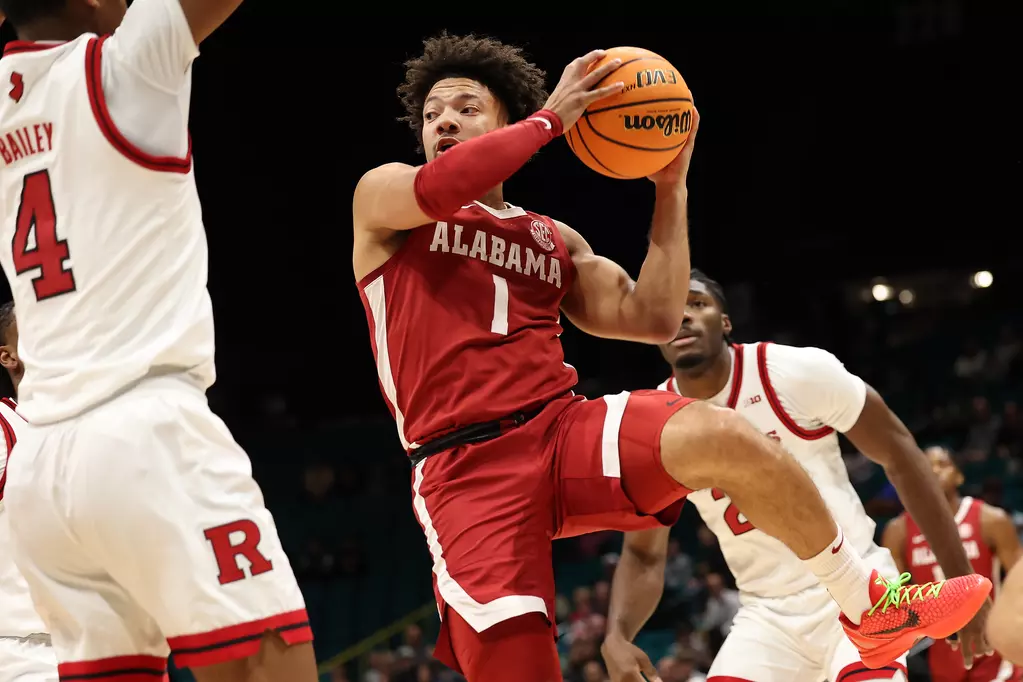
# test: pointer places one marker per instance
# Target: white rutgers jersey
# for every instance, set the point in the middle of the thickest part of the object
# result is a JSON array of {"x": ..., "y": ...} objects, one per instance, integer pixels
[
  {"x": 799, "y": 397},
  {"x": 102, "y": 242},
  {"x": 18, "y": 617}
]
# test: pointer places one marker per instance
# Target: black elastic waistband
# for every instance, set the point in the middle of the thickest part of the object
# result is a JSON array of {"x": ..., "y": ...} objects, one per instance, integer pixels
[{"x": 474, "y": 433}]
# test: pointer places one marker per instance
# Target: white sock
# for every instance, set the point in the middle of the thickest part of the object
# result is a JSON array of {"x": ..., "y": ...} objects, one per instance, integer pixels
[{"x": 845, "y": 575}]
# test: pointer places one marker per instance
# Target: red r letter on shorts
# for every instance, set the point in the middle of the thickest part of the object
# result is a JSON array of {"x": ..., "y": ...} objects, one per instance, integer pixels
[{"x": 227, "y": 552}]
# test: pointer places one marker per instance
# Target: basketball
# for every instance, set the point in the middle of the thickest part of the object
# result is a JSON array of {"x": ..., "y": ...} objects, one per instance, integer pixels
[{"x": 640, "y": 130}]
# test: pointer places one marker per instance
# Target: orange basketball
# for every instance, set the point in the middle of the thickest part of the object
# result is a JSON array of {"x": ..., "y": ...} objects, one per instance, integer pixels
[{"x": 640, "y": 130}]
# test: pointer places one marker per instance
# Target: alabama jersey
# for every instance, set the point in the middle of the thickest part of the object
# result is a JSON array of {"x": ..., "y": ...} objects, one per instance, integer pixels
[
  {"x": 464, "y": 320},
  {"x": 104, "y": 246},
  {"x": 18, "y": 617},
  {"x": 922, "y": 562},
  {"x": 946, "y": 665},
  {"x": 800, "y": 397}
]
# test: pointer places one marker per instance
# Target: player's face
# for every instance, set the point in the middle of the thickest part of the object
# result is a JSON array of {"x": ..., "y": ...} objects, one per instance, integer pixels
[
  {"x": 949, "y": 477},
  {"x": 704, "y": 326},
  {"x": 456, "y": 110}
]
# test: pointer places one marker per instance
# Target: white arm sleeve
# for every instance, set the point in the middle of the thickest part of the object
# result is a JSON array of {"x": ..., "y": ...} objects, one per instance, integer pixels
[
  {"x": 815, "y": 388},
  {"x": 147, "y": 76}
]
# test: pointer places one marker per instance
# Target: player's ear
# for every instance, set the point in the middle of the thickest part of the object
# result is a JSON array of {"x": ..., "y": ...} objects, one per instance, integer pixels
[
  {"x": 726, "y": 324},
  {"x": 7, "y": 358}
]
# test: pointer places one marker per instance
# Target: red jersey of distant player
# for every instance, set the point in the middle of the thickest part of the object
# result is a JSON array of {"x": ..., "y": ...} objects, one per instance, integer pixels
[
  {"x": 947, "y": 665},
  {"x": 465, "y": 319}
]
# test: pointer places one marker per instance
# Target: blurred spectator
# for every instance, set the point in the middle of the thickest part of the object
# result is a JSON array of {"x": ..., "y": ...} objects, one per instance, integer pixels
[
  {"x": 972, "y": 362},
  {"x": 722, "y": 605}
]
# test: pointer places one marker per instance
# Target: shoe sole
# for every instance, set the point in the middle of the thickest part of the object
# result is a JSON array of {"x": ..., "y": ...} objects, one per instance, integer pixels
[{"x": 889, "y": 651}]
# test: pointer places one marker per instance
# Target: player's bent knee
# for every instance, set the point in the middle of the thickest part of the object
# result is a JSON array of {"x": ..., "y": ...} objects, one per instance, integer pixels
[{"x": 705, "y": 446}]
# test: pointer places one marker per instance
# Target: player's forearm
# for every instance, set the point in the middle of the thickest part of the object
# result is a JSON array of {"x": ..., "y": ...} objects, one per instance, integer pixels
[
  {"x": 470, "y": 169},
  {"x": 636, "y": 591},
  {"x": 661, "y": 290},
  {"x": 919, "y": 491},
  {"x": 1005, "y": 622}
]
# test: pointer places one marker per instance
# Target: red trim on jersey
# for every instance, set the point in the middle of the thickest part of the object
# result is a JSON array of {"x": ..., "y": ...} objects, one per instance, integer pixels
[
  {"x": 94, "y": 85},
  {"x": 11, "y": 439},
  {"x": 9, "y": 402},
  {"x": 22, "y": 46},
  {"x": 779, "y": 411},
  {"x": 740, "y": 352},
  {"x": 238, "y": 641},
  {"x": 139, "y": 668},
  {"x": 727, "y": 678},
  {"x": 859, "y": 672}
]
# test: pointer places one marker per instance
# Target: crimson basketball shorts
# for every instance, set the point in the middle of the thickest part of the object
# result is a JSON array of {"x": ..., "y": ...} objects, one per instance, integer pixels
[
  {"x": 140, "y": 531},
  {"x": 490, "y": 510},
  {"x": 947, "y": 665}
]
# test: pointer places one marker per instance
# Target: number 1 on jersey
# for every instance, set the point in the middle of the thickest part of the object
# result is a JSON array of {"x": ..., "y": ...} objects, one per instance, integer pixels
[
  {"x": 35, "y": 244},
  {"x": 499, "y": 325}
]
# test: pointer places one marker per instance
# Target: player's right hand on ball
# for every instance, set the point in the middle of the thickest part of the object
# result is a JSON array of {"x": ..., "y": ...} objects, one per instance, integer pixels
[
  {"x": 576, "y": 90},
  {"x": 626, "y": 662}
]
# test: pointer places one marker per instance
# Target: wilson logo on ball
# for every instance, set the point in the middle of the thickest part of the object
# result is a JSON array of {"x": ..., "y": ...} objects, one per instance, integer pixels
[{"x": 668, "y": 124}]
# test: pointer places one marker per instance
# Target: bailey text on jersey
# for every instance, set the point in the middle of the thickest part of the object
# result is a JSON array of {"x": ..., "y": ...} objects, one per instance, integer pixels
[{"x": 25, "y": 141}]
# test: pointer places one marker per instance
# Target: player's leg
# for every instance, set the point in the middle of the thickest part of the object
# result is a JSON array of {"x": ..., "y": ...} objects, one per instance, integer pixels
[
  {"x": 755, "y": 650},
  {"x": 169, "y": 504},
  {"x": 98, "y": 631},
  {"x": 486, "y": 511},
  {"x": 517, "y": 649},
  {"x": 661, "y": 446}
]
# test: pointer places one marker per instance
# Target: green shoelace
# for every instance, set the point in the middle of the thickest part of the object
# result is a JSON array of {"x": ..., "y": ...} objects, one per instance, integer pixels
[{"x": 896, "y": 594}]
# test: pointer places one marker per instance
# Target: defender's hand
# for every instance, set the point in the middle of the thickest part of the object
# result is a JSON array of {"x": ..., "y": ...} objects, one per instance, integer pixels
[
  {"x": 575, "y": 90},
  {"x": 626, "y": 662},
  {"x": 677, "y": 171},
  {"x": 971, "y": 641}
]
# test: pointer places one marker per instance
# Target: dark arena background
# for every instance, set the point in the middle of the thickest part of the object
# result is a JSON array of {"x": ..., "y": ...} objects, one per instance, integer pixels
[{"x": 856, "y": 187}]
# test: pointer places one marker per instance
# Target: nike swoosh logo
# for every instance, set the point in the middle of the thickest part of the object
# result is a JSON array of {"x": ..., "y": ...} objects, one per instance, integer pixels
[
  {"x": 912, "y": 620},
  {"x": 672, "y": 402},
  {"x": 834, "y": 550},
  {"x": 543, "y": 120}
]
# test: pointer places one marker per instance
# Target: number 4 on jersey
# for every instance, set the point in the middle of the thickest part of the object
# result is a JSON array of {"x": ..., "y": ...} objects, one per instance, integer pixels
[
  {"x": 35, "y": 245},
  {"x": 735, "y": 519}
]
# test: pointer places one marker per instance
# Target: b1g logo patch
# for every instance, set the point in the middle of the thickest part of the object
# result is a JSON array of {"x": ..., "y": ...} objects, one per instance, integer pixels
[{"x": 542, "y": 235}]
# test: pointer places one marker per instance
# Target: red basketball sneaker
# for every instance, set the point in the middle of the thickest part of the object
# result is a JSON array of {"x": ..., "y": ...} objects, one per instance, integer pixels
[{"x": 903, "y": 614}]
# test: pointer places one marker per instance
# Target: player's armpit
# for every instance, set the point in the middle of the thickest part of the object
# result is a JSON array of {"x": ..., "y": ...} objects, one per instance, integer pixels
[
  {"x": 894, "y": 540},
  {"x": 385, "y": 199},
  {"x": 205, "y": 16},
  {"x": 601, "y": 300},
  {"x": 1000, "y": 533}
]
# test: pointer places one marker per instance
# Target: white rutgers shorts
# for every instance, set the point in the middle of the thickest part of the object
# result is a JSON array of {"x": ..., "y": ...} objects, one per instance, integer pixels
[
  {"x": 797, "y": 638},
  {"x": 140, "y": 531},
  {"x": 27, "y": 659}
]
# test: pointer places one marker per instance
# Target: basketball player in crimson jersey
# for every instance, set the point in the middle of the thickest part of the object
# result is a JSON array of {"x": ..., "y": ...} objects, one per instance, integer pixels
[
  {"x": 463, "y": 294},
  {"x": 989, "y": 539},
  {"x": 134, "y": 516},
  {"x": 786, "y": 630}
]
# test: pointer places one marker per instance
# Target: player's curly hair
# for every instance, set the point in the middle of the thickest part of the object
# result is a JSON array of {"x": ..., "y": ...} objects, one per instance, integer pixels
[
  {"x": 6, "y": 319},
  {"x": 20, "y": 12},
  {"x": 503, "y": 69}
]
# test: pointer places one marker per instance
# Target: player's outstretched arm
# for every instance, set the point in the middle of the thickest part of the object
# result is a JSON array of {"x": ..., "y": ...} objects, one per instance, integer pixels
[
  {"x": 206, "y": 16},
  {"x": 606, "y": 302},
  {"x": 1006, "y": 621},
  {"x": 636, "y": 589},
  {"x": 894, "y": 540}
]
